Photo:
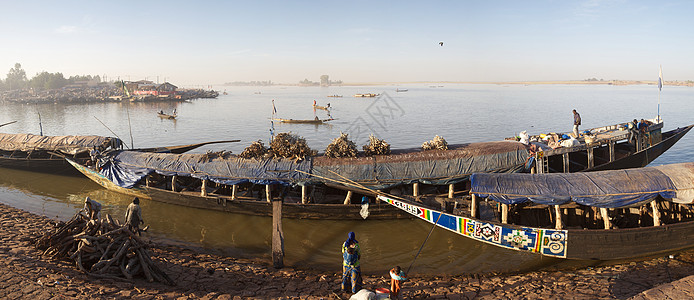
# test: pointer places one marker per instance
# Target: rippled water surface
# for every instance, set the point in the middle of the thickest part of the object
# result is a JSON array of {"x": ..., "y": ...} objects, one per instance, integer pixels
[{"x": 459, "y": 113}]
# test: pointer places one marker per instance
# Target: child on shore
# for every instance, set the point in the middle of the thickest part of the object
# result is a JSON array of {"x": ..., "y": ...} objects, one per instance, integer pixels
[{"x": 397, "y": 277}]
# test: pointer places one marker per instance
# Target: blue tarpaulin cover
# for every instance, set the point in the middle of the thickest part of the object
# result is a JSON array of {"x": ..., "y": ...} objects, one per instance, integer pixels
[
  {"x": 608, "y": 189},
  {"x": 125, "y": 168}
]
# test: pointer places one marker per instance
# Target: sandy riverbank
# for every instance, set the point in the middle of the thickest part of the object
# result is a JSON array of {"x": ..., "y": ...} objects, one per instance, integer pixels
[{"x": 202, "y": 274}]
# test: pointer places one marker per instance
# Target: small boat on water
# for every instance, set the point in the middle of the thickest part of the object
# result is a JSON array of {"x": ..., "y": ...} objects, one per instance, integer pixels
[
  {"x": 401, "y": 90},
  {"x": 335, "y": 96},
  {"x": 366, "y": 95},
  {"x": 305, "y": 121},
  {"x": 47, "y": 154},
  {"x": 162, "y": 115},
  {"x": 602, "y": 215},
  {"x": 316, "y": 106},
  {"x": 195, "y": 180}
]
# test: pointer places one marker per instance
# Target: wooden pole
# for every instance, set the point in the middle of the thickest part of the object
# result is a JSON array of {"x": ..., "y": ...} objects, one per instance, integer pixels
[
  {"x": 656, "y": 213},
  {"x": 591, "y": 157},
  {"x": 277, "y": 235},
  {"x": 147, "y": 182},
  {"x": 268, "y": 193},
  {"x": 303, "y": 194},
  {"x": 504, "y": 213},
  {"x": 605, "y": 218},
  {"x": 203, "y": 188},
  {"x": 451, "y": 190},
  {"x": 233, "y": 191},
  {"x": 473, "y": 206},
  {"x": 348, "y": 199},
  {"x": 173, "y": 183},
  {"x": 557, "y": 218},
  {"x": 415, "y": 189}
]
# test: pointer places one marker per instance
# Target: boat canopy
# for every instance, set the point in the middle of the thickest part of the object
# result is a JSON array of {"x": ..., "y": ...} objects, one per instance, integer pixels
[
  {"x": 608, "y": 189},
  {"x": 69, "y": 145},
  {"x": 125, "y": 168}
]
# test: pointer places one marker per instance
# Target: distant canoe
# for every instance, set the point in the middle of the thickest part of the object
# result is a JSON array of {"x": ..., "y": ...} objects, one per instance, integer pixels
[
  {"x": 321, "y": 107},
  {"x": 313, "y": 121},
  {"x": 335, "y": 96},
  {"x": 401, "y": 90},
  {"x": 366, "y": 95},
  {"x": 165, "y": 116}
]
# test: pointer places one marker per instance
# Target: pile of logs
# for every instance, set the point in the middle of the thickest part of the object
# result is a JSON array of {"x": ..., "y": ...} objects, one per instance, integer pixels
[
  {"x": 255, "y": 150},
  {"x": 341, "y": 147},
  {"x": 102, "y": 248},
  {"x": 376, "y": 147},
  {"x": 290, "y": 146},
  {"x": 437, "y": 143}
]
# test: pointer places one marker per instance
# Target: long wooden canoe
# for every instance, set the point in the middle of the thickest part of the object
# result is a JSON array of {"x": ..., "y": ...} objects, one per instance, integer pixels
[{"x": 299, "y": 121}]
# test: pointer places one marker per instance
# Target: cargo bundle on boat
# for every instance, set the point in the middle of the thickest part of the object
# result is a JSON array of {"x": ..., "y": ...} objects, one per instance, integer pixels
[{"x": 603, "y": 215}]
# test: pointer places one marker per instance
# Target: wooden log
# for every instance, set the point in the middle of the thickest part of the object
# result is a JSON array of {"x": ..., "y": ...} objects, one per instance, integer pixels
[
  {"x": 303, "y": 194},
  {"x": 234, "y": 188},
  {"x": 173, "y": 183},
  {"x": 415, "y": 189},
  {"x": 504, "y": 213},
  {"x": 558, "y": 224},
  {"x": 348, "y": 198},
  {"x": 656, "y": 213},
  {"x": 473, "y": 206},
  {"x": 268, "y": 193},
  {"x": 145, "y": 268},
  {"x": 203, "y": 188},
  {"x": 605, "y": 218},
  {"x": 277, "y": 235},
  {"x": 451, "y": 190}
]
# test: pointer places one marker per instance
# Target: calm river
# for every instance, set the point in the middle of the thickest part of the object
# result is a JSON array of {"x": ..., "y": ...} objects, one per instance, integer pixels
[{"x": 459, "y": 113}]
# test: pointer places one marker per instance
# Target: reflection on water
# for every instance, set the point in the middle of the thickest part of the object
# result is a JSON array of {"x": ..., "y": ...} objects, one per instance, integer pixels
[{"x": 459, "y": 113}]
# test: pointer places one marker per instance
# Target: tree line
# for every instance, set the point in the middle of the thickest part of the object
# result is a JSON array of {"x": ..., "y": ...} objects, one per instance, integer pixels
[{"x": 17, "y": 80}]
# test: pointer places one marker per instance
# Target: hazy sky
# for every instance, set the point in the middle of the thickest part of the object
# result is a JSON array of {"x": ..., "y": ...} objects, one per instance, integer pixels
[{"x": 205, "y": 42}]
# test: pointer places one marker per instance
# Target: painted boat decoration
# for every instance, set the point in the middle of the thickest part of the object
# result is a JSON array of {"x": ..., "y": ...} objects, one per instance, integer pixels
[{"x": 642, "y": 212}]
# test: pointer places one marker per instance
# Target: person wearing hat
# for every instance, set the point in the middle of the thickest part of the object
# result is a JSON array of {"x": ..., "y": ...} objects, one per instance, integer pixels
[
  {"x": 133, "y": 216},
  {"x": 92, "y": 208}
]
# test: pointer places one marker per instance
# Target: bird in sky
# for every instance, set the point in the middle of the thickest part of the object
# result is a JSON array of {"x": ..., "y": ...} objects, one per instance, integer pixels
[{"x": 441, "y": 43}]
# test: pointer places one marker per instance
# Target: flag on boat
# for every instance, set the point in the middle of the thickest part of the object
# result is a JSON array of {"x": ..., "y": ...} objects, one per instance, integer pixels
[{"x": 660, "y": 79}]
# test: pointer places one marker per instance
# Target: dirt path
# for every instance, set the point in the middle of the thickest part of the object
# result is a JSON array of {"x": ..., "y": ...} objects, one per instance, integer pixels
[{"x": 204, "y": 275}]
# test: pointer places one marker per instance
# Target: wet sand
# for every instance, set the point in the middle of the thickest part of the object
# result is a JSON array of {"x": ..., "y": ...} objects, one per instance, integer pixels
[{"x": 203, "y": 274}]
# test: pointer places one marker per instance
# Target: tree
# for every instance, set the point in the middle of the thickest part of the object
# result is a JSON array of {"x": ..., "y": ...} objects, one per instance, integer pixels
[
  {"x": 16, "y": 78},
  {"x": 48, "y": 81}
]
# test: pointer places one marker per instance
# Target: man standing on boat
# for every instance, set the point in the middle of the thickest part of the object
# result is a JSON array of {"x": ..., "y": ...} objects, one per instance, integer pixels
[
  {"x": 577, "y": 121},
  {"x": 351, "y": 272},
  {"x": 133, "y": 216}
]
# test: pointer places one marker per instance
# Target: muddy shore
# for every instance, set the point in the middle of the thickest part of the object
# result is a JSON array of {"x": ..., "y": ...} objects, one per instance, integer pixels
[{"x": 203, "y": 274}]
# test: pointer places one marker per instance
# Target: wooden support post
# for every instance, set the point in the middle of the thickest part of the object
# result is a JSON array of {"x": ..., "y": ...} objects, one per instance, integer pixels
[
  {"x": 147, "y": 183},
  {"x": 565, "y": 157},
  {"x": 451, "y": 190},
  {"x": 504, "y": 213},
  {"x": 203, "y": 188},
  {"x": 605, "y": 218},
  {"x": 656, "y": 213},
  {"x": 473, "y": 206},
  {"x": 303, "y": 194},
  {"x": 268, "y": 193},
  {"x": 277, "y": 235},
  {"x": 533, "y": 170},
  {"x": 348, "y": 199},
  {"x": 612, "y": 152},
  {"x": 173, "y": 183},
  {"x": 233, "y": 191},
  {"x": 557, "y": 218},
  {"x": 591, "y": 157},
  {"x": 415, "y": 189}
]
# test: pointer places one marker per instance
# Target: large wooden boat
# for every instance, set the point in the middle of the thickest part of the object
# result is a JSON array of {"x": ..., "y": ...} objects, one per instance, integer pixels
[
  {"x": 46, "y": 154},
  {"x": 603, "y": 215},
  {"x": 300, "y": 121},
  {"x": 197, "y": 179}
]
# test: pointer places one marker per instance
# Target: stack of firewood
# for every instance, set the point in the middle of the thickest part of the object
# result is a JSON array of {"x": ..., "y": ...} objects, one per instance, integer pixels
[
  {"x": 290, "y": 146},
  {"x": 101, "y": 248},
  {"x": 376, "y": 146},
  {"x": 437, "y": 143},
  {"x": 255, "y": 150},
  {"x": 341, "y": 147}
]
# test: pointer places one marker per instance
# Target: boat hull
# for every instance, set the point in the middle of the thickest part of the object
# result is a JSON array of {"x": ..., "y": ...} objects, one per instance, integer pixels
[{"x": 106, "y": 183}]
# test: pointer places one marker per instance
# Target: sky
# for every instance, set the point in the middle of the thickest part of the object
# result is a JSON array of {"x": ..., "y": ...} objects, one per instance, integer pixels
[{"x": 213, "y": 42}]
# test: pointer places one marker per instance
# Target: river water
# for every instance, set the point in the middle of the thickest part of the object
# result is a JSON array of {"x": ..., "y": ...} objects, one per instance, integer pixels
[{"x": 460, "y": 113}]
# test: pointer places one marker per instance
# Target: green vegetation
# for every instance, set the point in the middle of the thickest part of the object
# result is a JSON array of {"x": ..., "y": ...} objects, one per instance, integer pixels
[{"x": 17, "y": 80}]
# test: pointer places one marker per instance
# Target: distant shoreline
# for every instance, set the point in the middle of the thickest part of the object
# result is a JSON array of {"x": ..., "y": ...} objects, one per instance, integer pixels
[{"x": 565, "y": 82}]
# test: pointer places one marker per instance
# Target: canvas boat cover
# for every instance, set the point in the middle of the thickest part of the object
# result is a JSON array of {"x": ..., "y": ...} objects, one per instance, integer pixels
[
  {"x": 608, "y": 189},
  {"x": 69, "y": 144},
  {"x": 125, "y": 168}
]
